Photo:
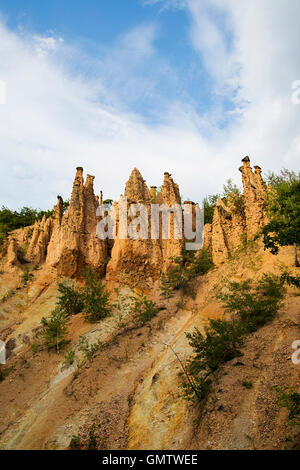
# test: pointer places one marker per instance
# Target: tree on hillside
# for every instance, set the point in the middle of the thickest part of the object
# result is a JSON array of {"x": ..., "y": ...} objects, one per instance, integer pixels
[
  {"x": 209, "y": 204},
  {"x": 95, "y": 297},
  {"x": 11, "y": 220},
  {"x": 283, "y": 228}
]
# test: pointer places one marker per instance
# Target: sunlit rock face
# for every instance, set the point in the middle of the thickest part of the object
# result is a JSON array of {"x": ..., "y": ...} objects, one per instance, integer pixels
[
  {"x": 233, "y": 225},
  {"x": 69, "y": 242},
  {"x": 74, "y": 244},
  {"x": 140, "y": 262}
]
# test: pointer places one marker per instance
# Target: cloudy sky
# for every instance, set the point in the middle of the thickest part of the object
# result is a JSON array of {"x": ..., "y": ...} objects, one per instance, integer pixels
[{"x": 185, "y": 86}]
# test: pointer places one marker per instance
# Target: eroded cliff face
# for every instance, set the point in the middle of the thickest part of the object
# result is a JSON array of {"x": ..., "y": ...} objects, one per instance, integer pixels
[
  {"x": 69, "y": 242},
  {"x": 74, "y": 244},
  {"x": 134, "y": 262},
  {"x": 42, "y": 231},
  {"x": 139, "y": 262},
  {"x": 238, "y": 219},
  {"x": 254, "y": 197},
  {"x": 130, "y": 389},
  {"x": 170, "y": 196}
]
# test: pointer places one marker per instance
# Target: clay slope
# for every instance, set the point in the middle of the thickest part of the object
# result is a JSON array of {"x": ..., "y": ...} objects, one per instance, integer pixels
[{"x": 129, "y": 389}]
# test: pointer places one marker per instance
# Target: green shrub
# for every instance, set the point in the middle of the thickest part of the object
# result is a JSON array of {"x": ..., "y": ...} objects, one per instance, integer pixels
[
  {"x": 254, "y": 303},
  {"x": 89, "y": 350},
  {"x": 247, "y": 385},
  {"x": 209, "y": 204},
  {"x": 70, "y": 299},
  {"x": 291, "y": 401},
  {"x": 95, "y": 298},
  {"x": 177, "y": 276},
  {"x": 291, "y": 280},
  {"x": 55, "y": 330},
  {"x": 283, "y": 202},
  {"x": 238, "y": 203},
  {"x": 66, "y": 205},
  {"x": 251, "y": 305},
  {"x": 8, "y": 295},
  {"x": 202, "y": 263},
  {"x": 27, "y": 276},
  {"x": 220, "y": 343},
  {"x": 75, "y": 443},
  {"x": 4, "y": 371},
  {"x": 92, "y": 443},
  {"x": 143, "y": 310},
  {"x": 196, "y": 387},
  {"x": 30, "y": 231},
  {"x": 34, "y": 347},
  {"x": 21, "y": 253},
  {"x": 187, "y": 266},
  {"x": 69, "y": 357},
  {"x": 233, "y": 195}
]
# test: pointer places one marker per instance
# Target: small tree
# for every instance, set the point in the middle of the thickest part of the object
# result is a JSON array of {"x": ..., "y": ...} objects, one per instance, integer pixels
[
  {"x": 142, "y": 308},
  {"x": 219, "y": 343},
  {"x": 55, "y": 330},
  {"x": 284, "y": 213},
  {"x": 95, "y": 298},
  {"x": 291, "y": 401},
  {"x": 250, "y": 305},
  {"x": 70, "y": 299},
  {"x": 201, "y": 263},
  {"x": 254, "y": 303},
  {"x": 66, "y": 205},
  {"x": 27, "y": 276},
  {"x": 209, "y": 204}
]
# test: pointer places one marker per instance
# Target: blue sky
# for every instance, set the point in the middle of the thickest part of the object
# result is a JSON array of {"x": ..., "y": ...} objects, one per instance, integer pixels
[
  {"x": 189, "y": 86},
  {"x": 174, "y": 67}
]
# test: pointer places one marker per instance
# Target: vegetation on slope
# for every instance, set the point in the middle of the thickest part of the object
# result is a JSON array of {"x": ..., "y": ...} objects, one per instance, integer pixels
[
  {"x": 11, "y": 220},
  {"x": 249, "y": 306},
  {"x": 283, "y": 207},
  {"x": 229, "y": 190},
  {"x": 185, "y": 267}
]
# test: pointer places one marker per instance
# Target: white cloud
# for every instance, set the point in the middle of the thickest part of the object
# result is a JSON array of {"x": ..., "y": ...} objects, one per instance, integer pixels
[
  {"x": 66, "y": 109},
  {"x": 44, "y": 45}
]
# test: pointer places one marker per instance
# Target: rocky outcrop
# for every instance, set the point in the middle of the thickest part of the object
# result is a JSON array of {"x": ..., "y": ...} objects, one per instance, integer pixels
[
  {"x": 139, "y": 262},
  {"x": 74, "y": 244},
  {"x": 228, "y": 229},
  {"x": 37, "y": 250},
  {"x": 254, "y": 197},
  {"x": 134, "y": 262},
  {"x": 12, "y": 254},
  {"x": 69, "y": 242},
  {"x": 170, "y": 196},
  {"x": 239, "y": 218}
]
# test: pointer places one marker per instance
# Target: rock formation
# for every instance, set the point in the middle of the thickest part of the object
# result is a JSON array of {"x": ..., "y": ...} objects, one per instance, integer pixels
[
  {"x": 237, "y": 219},
  {"x": 254, "y": 197},
  {"x": 37, "y": 250},
  {"x": 11, "y": 259},
  {"x": 69, "y": 242},
  {"x": 139, "y": 262},
  {"x": 74, "y": 244},
  {"x": 135, "y": 262},
  {"x": 171, "y": 196}
]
